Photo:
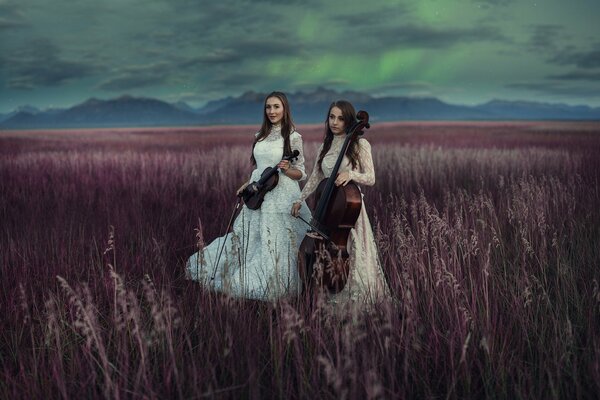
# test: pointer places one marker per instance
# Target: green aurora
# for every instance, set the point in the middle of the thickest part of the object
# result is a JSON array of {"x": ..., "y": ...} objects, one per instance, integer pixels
[{"x": 59, "y": 53}]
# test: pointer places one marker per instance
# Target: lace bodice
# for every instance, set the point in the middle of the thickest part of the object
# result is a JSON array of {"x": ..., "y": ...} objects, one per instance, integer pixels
[
  {"x": 363, "y": 173},
  {"x": 269, "y": 151}
]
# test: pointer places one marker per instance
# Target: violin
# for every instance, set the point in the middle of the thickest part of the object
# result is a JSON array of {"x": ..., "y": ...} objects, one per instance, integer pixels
[
  {"x": 323, "y": 258},
  {"x": 254, "y": 193}
]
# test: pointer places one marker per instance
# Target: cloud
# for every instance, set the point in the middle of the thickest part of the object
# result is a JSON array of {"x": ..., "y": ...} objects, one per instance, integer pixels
[
  {"x": 375, "y": 16},
  {"x": 189, "y": 97},
  {"x": 414, "y": 89},
  {"x": 235, "y": 79},
  {"x": 555, "y": 42},
  {"x": 405, "y": 86},
  {"x": 550, "y": 38},
  {"x": 137, "y": 76},
  {"x": 421, "y": 36},
  {"x": 223, "y": 33},
  {"x": 246, "y": 54},
  {"x": 577, "y": 76},
  {"x": 39, "y": 65},
  {"x": 310, "y": 85},
  {"x": 224, "y": 19},
  {"x": 385, "y": 27},
  {"x": 581, "y": 59},
  {"x": 6, "y": 24},
  {"x": 11, "y": 17},
  {"x": 280, "y": 46},
  {"x": 287, "y": 2},
  {"x": 218, "y": 56},
  {"x": 545, "y": 37},
  {"x": 494, "y": 2}
]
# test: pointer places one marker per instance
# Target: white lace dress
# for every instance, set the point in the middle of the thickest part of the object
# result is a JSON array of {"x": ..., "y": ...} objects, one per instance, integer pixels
[
  {"x": 366, "y": 282},
  {"x": 259, "y": 255}
]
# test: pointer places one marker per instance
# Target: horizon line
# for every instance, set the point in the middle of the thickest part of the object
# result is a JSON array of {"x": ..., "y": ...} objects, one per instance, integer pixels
[{"x": 374, "y": 96}]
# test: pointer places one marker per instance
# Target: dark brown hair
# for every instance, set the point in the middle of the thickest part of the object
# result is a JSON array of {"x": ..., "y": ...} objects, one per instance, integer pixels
[
  {"x": 287, "y": 125},
  {"x": 349, "y": 116}
]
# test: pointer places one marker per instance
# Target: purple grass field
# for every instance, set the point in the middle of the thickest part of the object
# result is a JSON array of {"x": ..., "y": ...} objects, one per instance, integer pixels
[{"x": 489, "y": 234}]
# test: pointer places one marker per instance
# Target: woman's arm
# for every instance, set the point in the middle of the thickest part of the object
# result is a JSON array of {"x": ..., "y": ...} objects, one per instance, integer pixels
[
  {"x": 316, "y": 176},
  {"x": 366, "y": 174},
  {"x": 296, "y": 170}
]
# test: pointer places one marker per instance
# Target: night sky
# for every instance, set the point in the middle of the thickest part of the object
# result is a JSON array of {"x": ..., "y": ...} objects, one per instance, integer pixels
[{"x": 57, "y": 53}]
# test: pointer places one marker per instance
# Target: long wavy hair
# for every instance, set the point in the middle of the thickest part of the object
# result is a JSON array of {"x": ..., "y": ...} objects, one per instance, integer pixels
[
  {"x": 349, "y": 116},
  {"x": 287, "y": 125}
]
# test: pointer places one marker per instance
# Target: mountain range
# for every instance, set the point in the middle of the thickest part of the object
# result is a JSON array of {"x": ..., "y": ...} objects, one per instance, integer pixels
[{"x": 307, "y": 107}]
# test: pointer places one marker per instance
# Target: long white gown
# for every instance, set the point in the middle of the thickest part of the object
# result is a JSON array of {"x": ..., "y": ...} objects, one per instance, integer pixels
[
  {"x": 259, "y": 256},
  {"x": 366, "y": 282}
]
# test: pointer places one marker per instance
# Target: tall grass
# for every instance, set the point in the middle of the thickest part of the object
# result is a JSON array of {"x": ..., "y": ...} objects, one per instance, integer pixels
[{"x": 491, "y": 252}]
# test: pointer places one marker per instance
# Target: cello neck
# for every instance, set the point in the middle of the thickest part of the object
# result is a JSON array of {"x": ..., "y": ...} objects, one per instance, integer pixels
[{"x": 321, "y": 208}]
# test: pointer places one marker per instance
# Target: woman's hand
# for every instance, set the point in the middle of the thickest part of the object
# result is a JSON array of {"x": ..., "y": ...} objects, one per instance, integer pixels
[
  {"x": 296, "y": 209},
  {"x": 241, "y": 189},
  {"x": 283, "y": 165},
  {"x": 342, "y": 179},
  {"x": 292, "y": 173}
]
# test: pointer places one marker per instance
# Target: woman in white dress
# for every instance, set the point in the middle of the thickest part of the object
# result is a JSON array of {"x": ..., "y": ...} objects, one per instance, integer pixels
[
  {"x": 258, "y": 259},
  {"x": 366, "y": 281}
]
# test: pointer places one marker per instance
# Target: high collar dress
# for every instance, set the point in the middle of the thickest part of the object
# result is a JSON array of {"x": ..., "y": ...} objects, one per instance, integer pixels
[
  {"x": 259, "y": 256},
  {"x": 366, "y": 281}
]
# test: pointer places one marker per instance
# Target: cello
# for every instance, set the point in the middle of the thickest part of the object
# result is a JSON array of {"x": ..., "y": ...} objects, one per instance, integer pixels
[{"x": 323, "y": 258}]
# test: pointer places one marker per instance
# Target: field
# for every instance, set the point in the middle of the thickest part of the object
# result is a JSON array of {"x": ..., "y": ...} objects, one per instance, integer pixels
[{"x": 489, "y": 234}]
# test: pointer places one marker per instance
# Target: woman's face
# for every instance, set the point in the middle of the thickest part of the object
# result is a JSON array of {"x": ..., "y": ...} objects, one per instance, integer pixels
[
  {"x": 274, "y": 110},
  {"x": 336, "y": 121}
]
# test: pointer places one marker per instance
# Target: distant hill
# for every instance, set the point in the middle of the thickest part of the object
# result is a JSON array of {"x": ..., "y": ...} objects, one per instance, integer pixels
[
  {"x": 307, "y": 107},
  {"x": 122, "y": 111},
  {"x": 500, "y": 109},
  {"x": 27, "y": 109}
]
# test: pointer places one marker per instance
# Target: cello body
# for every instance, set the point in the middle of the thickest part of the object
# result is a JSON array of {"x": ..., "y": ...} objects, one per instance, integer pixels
[{"x": 326, "y": 263}]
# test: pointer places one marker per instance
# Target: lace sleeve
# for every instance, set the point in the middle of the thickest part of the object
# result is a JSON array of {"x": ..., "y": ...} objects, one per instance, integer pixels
[
  {"x": 316, "y": 176},
  {"x": 296, "y": 144},
  {"x": 365, "y": 173}
]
